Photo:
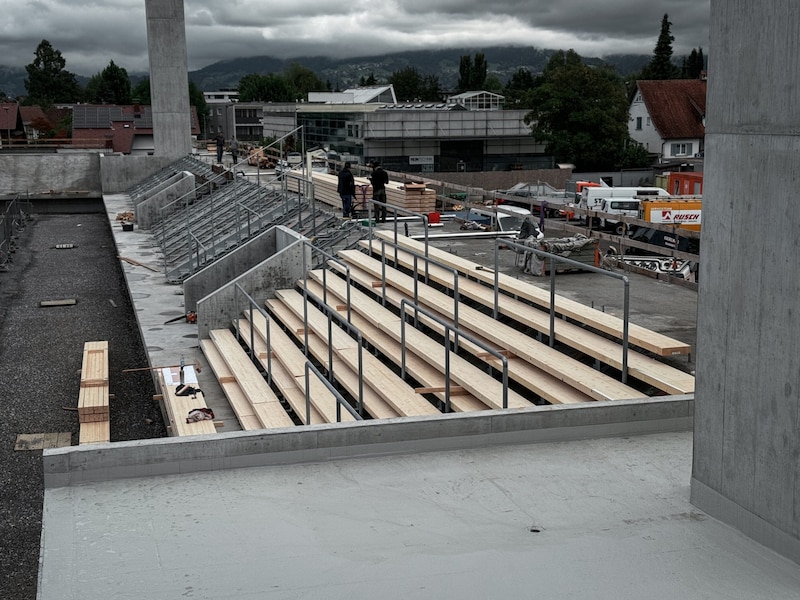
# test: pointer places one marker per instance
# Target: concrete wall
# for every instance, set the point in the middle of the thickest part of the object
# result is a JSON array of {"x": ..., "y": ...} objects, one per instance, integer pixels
[
  {"x": 101, "y": 462},
  {"x": 49, "y": 175},
  {"x": 181, "y": 185},
  {"x": 119, "y": 173},
  {"x": 169, "y": 77},
  {"x": 272, "y": 261},
  {"x": 747, "y": 429}
]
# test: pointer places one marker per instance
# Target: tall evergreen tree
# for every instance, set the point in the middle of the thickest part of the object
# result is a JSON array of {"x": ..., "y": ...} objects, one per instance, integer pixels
[
  {"x": 693, "y": 65},
  {"x": 661, "y": 66},
  {"x": 472, "y": 74},
  {"x": 48, "y": 81}
]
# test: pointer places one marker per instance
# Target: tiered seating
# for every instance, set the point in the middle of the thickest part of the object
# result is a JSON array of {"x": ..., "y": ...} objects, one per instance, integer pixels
[
  {"x": 93, "y": 409},
  {"x": 645, "y": 368}
]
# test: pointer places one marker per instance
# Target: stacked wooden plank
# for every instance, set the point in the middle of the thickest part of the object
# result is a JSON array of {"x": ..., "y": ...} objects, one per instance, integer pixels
[
  {"x": 415, "y": 197},
  {"x": 93, "y": 410}
]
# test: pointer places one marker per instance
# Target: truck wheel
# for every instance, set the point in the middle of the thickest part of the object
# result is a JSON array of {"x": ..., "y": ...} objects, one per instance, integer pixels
[{"x": 620, "y": 229}]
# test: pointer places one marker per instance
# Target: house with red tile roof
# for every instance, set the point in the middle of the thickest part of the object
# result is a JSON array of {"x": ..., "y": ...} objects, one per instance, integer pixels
[
  {"x": 10, "y": 123},
  {"x": 125, "y": 129},
  {"x": 668, "y": 118}
]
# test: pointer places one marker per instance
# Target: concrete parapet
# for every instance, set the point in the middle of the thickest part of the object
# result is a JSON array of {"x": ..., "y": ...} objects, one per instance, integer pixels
[
  {"x": 268, "y": 262},
  {"x": 70, "y": 174},
  {"x": 319, "y": 443},
  {"x": 119, "y": 173},
  {"x": 180, "y": 185}
]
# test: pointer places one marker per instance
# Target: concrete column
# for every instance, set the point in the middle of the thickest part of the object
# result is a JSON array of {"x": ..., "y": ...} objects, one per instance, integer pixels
[
  {"x": 746, "y": 468},
  {"x": 169, "y": 77}
]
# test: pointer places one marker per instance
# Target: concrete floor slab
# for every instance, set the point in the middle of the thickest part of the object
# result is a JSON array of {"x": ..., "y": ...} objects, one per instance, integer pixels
[{"x": 597, "y": 519}]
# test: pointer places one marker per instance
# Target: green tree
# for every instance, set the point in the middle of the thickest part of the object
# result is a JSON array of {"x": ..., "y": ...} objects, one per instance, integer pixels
[
  {"x": 303, "y": 80},
  {"x": 265, "y": 88},
  {"x": 407, "y": 84},
  {"x": 365, "y": 81},
  {"x": 581, "y": 112},
  {"x": 519, "y": 88},
  {"x": 110, "y": 86},
  {"x": 472, "y": 74},
  {"x": 48, "y": 81},
  {"x": 493, "y": 84},
  {"x": 431, "y": 89},
  {"x": 694, "y": 65},
  {"x": 660, "y": 65}
]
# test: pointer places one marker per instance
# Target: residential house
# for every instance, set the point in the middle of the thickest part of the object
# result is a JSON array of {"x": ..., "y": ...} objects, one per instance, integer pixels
[
  {"x": 667, "y": 117},
  {"x": 10, "y": 123},
  {"x": 125, "y": 129}
]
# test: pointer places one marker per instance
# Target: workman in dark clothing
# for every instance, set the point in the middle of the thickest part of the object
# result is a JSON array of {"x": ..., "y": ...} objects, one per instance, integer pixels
[
  {"x": 346, "y": 189},
  {"x": 379, "y": 179},
  {"x": 220, "y": 146}
]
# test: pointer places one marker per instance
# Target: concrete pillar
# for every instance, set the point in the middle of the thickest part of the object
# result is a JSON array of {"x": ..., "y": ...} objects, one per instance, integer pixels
[
  {"x": 746, "y": 468},
  {"x": 169, "y": 77}
]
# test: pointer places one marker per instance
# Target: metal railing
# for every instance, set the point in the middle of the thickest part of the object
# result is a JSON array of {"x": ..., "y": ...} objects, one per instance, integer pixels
[{"x": 573, "y": 263}]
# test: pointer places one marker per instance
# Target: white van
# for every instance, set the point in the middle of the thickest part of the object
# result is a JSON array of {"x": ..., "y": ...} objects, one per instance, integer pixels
[{"x": 593, "y": 197}]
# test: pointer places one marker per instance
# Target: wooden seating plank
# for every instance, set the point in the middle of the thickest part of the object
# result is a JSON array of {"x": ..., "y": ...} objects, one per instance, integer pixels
[
  {"x": 178, "y": 407},
  {"x": 654, "y": 372},
  {"x": 264, "y": 401},
  {"x": 230, "y": 387},
  {"x": 645, "y": 338},
  {"x": 283, "y": 367},
  {"x": 376, "y": 406},
  {"x": 365, "y": 314},
  {"x": 463, "y": 373},
  {"x": 571, "y": 371},
  {"x": 534, "y": 379},
  {"x": 377, "y": 375}
]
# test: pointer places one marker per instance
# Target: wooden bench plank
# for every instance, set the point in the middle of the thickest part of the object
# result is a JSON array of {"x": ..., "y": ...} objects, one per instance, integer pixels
[
  {"x": 539, "y": 382},
  {"x": 283, "y": 366},
  {"x": 264, "y": 401},
  {"x": 365, "y": 314},
  {"x": 640, "y": 336},
  {"x": 230, "y": 387},
  {"x": 177, "y": 408},
  {"x": 654, "y": 372},
  {"x": 560, "y": 366},
  {"x": 97, "y": 432},
  {"x": 376, "y": 406},
  {"x": 377, "y": 375}
]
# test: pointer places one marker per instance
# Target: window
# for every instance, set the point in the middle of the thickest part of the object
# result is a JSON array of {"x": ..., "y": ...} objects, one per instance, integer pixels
[
  {"x": 681, "y": 149},
  {"x": 648, "y": 121},
  {"x": 638, "y": 123}
]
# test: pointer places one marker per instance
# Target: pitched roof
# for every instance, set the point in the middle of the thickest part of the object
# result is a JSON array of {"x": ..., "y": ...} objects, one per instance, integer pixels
[
  {"x": 676, "y": 106},
  {"x": 9, "y": 114}
]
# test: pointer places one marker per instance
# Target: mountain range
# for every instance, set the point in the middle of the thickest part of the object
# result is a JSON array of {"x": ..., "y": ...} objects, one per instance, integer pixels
[{"x": 502, "y": 62}]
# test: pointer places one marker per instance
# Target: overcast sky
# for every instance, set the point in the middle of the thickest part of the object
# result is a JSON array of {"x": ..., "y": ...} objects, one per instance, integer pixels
[{"x": 90, "y": 34}]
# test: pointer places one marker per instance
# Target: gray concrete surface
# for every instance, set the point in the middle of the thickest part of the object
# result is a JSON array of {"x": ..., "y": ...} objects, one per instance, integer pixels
[
  {"x": 747, "y": 432},
  {"x": 602, "y": 519}
]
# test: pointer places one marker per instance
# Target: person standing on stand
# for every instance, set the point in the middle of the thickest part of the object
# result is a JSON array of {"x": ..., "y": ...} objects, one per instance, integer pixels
[
  {"x": 379, "y": 179},
  {"x": 220, "y": 146},
  {"x": 346, "y": 189},
  {"x": 235, "y": 150}
]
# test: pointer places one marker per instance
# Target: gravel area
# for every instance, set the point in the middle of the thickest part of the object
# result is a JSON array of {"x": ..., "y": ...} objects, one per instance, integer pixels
[{"x": 40, "y": 359}]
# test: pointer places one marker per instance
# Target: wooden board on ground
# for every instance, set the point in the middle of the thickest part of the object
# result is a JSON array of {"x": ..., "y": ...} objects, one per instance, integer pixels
[
  {"x": 40, "y": 441},
  {"x": 645, "y": 338}
]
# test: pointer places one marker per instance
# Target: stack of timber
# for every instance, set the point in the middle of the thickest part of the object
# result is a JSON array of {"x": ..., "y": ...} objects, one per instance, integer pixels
[
  {"x": 409, "y": 196},
  {"x": 93, "y": 412}
]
